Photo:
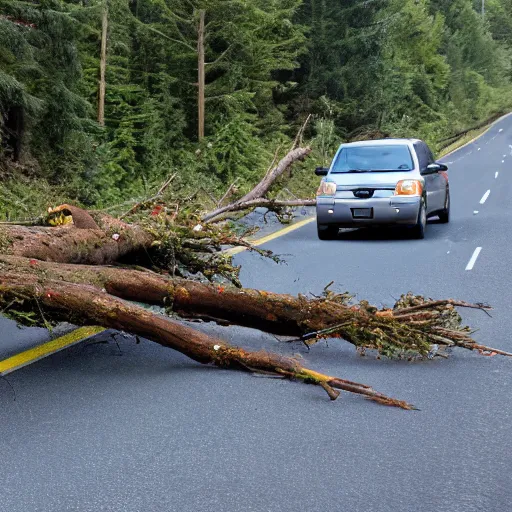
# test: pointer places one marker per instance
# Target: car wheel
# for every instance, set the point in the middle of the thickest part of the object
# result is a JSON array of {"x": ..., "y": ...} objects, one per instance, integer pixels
[
  {"x": 421, "y": 224},
  {"x": 327, "y": 232},
  {"x": 444, "y": 215}
]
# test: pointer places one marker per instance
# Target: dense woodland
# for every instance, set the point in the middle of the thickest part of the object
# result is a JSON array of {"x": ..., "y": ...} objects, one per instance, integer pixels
[{"x": 212, "y": 90}]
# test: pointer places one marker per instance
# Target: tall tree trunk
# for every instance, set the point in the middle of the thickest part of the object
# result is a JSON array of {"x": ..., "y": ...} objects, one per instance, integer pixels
[
  {"x": 200, "y": 74},
  {"x": 103, "y": 65}
]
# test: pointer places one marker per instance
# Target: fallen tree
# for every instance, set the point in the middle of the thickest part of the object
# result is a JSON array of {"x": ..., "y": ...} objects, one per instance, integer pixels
[
  {"x": 48, "y": 274},
  {"x": 409, "y": 329},
  {"x": 42, "y": 291},
  {"x": 96, "y": 243},
  {"x": 83, "y": 305}
]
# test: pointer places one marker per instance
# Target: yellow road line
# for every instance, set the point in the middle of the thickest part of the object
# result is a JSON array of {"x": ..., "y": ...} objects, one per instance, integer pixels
[
  {"x": 46, "y": 349},
  {"x": 273, "y": 236}
]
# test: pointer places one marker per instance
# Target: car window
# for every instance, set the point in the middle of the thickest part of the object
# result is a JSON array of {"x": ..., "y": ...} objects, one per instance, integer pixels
[
  {"x": 430, "y": 156},
  {"x": 373, "y": 158},
  {"x": 421, "y": 152}
]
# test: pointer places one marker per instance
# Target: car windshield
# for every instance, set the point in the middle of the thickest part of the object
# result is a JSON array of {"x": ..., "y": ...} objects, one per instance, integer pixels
[{"x": 373, "y": 158}]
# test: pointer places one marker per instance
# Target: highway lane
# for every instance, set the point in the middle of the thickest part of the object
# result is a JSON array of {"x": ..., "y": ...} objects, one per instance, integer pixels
[{"x": 149, "y": 430}]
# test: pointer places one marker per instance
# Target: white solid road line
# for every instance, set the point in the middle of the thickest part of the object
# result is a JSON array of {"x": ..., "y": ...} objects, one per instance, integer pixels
[
  {"x": 485, "y": 196},
  {"x": 473, "y": 259}
]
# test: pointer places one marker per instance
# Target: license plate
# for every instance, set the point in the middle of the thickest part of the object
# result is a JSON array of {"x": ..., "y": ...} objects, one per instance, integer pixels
[{"x": 363, "y": 213}]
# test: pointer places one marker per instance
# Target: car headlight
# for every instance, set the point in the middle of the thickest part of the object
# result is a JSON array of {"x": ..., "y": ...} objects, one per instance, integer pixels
[
  {"x": 409, "y": 188},
  {"x": 326, "y": 188}
]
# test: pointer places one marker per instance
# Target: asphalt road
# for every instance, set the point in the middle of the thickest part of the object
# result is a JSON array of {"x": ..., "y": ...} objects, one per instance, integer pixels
[
  {"x": 93, "y": 429},
  {"x": 15, "y": 339}
]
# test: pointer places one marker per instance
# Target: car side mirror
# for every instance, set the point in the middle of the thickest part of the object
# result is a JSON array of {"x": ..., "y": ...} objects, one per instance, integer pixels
[
  {"x": 321, "y": 171},
  {"x": 434, "y": 168}
]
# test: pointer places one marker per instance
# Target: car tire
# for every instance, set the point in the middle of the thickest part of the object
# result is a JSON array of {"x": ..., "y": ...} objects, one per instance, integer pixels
[
  {"x": 418, "y": 231},
  {"x": 327, "y": 232},
  {"x": 444, "y": 215}
]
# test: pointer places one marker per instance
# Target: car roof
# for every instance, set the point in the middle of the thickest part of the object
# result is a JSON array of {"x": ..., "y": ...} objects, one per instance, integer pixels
[{"x": 381, "y": 142}]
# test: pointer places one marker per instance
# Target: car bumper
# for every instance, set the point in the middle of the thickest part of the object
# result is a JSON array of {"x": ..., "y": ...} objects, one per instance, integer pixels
[{"x": 384, "y": 211}]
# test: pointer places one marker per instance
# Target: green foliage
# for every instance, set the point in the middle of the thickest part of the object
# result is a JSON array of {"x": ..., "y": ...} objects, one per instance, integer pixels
[
  {"x": 24, "y": 198},
  {"x": 424, "y": 68},
  {"x": 405, "y": 67}
]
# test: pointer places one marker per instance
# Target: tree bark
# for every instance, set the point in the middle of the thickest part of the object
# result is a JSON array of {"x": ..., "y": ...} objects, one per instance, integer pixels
[
  {"x": 275, "y": 313},
  {"x": 200, "y": 75},
  {"x": 271, "y": 312},
  {"x": 87, "y": 305},
  {"x": 103, "y": 64},
  {"x": 69, "y": 244}
]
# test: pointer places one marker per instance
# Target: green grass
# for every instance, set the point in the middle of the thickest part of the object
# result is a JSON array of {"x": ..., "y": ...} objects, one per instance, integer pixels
[
  {"x": 23, "y": 198},
  {"x": 468, "y": 137}
]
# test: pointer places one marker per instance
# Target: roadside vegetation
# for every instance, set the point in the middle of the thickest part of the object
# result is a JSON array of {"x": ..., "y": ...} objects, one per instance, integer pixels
[{"x": 102, "y": 100}]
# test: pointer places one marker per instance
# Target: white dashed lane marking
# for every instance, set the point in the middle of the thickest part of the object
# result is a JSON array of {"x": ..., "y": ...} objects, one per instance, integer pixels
[
  {"x": 473, "y": 259},
  {"x": 485, "y": 196},
  {"x": 496, "y": 175}
]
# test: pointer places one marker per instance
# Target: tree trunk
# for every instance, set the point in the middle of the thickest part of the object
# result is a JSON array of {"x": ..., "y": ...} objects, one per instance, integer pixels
[
  {"x": 267, "y": 311},
  {"x": 201, "y": 75},
  {"x": 69, "y": 244},
  {"x": 103, "y": 64},
  {"x": 87, "y": 305},
  {"x": 365, "y": 327}
]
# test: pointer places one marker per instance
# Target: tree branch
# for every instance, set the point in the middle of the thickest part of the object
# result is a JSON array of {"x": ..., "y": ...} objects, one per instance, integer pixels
[
  {"x": 259, "y": 191},
  {"x": 87, "y": 305}
]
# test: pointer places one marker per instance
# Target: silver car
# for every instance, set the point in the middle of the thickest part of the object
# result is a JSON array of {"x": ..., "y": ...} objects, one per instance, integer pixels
[{"x": 382, "y": 182}]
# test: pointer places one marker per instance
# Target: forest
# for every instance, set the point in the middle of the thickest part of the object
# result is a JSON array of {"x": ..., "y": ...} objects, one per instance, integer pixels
[{"x": 102, "y": 100}]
